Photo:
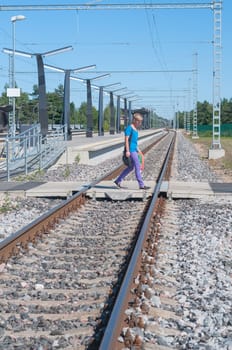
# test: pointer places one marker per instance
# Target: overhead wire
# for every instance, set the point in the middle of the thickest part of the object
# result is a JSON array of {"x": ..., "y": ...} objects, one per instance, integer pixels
[{"x": 157, "y": 47}]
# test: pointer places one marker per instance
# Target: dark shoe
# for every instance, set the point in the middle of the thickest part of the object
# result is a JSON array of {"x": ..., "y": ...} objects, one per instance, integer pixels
[
  {"x": 144, "y": 188},
  {"x": 118, "y": 184}
]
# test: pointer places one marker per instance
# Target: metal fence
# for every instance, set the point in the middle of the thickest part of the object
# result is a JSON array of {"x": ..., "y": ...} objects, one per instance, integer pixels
[
  {"x": 29, "y": 151},
  {"x": 226, "y": 130}
]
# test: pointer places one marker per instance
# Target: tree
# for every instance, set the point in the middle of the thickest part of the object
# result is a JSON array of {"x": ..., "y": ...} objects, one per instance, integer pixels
[
  {"x": 226, "y": 111},
  {"x": 55, "y": 105},
  {"x": 204, "y": 113},
  {"x": 82, "y": 116},
  {"x": 35, "y": 92},
  {"x": 4, "y": 100},
  {"x": 106, "y": 114}
]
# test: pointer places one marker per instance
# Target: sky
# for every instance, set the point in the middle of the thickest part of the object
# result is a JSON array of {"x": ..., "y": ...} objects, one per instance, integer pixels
[{"x": 151, "y": 52}]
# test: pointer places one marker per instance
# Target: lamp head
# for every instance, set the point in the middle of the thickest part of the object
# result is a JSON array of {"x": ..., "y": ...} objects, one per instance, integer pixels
[
  {"x": 92, "y": 66},
  {"x": 53, "y": 52},
  {"x": 17, "y": 52},
  {"x": 17, "y": 18},
  {"x": 100, "y": 76}
]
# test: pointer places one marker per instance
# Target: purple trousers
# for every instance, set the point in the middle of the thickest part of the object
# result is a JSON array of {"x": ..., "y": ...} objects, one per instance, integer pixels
[{"x": 135, "y": 165}]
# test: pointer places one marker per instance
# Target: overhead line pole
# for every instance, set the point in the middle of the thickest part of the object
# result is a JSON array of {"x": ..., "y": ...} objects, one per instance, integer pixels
[
  {"x": 195, "y": 90},
  {"x": 216, "y": 150}
]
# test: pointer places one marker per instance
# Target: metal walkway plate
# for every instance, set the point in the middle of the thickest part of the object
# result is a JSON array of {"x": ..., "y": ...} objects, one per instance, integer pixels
[
  {"x": 56, "y": 189},
  {"x": 41, "y": 189},
  {"x": 18, "y": 186},
  {"x": 182, "y": 189},
  {"x": 130, "y": 190}
]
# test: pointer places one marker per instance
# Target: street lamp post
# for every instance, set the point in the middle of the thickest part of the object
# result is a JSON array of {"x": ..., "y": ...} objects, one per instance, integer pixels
[
  {"x": 130, "y": 109},
  {"x": 124, "y": 98},
  {"x": 89, "y": 112},
  {"x": 112, "y": 112},
  {"x": 12, "y": 83},
  {"x": 66, "y": 98},
  {"x": 100, "y": 109},
  {"x": 43, "y": 115}
]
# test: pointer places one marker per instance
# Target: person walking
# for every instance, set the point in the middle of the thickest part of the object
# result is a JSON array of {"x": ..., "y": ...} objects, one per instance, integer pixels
[{"x": 132, "y": 151}]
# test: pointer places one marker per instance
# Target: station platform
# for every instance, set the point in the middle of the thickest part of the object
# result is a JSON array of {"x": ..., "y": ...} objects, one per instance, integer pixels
[
  {"x": 108, "y": 190},
  {"x": 87, "y": 150}
]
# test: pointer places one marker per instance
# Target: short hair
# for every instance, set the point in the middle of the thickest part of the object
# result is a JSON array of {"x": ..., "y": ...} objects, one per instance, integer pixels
[{"x": 138, "y": 116}]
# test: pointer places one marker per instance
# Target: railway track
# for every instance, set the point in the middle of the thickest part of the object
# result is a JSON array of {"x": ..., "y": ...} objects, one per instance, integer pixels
[{"x": 60, "y": 292}]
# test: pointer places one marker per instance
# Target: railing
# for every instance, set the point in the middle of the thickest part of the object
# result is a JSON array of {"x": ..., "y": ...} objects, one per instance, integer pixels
[
  {"x": 52, "y": 147},
  {"x": 29, "y": 151}
]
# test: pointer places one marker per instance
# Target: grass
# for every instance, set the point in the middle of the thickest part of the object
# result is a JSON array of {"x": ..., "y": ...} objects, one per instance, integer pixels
[
  {"x": 67, "y": 172},
  {"x": 6, "y": 205},
  {"x": 34, "y": 176},
  {"x": 227, "y": 146},
  {"x": 226, "y": 142},
  {"x": 77, "y": 158}
]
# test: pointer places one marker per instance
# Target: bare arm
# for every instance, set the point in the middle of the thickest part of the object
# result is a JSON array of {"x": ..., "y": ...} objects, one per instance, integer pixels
[{"x": 127, "y": 146}]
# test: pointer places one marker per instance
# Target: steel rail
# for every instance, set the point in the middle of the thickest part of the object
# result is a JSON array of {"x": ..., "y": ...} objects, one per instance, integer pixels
[
  {"x": 12, "y": 244},
  {"x": 128, "y": 6},
  {"x": 30, "y": 233},
  {"x": 112, "y": 331}
]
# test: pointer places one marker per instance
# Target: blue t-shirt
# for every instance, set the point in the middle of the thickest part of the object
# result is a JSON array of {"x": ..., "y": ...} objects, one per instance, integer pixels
[{"x": 133, "y": 138}]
